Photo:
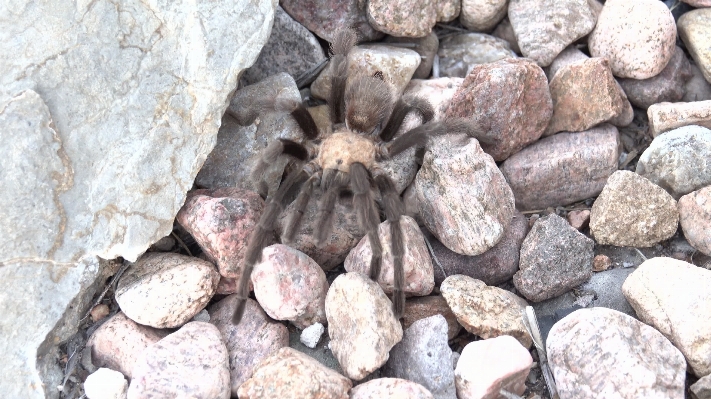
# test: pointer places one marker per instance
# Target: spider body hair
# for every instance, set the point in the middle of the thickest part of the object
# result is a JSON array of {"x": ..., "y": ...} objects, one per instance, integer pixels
[{"x": 344, "y": 165}]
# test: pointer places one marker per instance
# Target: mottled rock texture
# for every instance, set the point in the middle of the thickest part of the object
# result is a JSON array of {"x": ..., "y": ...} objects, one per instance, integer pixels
[
  {"x": 555, "y": 258},
  {"x": 407, "y": 18},
  {"x": 424, "y": 307},
  {"x": 636, "y": 36},
  {"x": 664, "y": 117},
  {"x": 632, "y": 211},
  {"x": 191, "y": 362},
  {"x": 390, "y": 388},
  {"x": 438, "y": 92},
  {"x": 695, "y": 218},
  {"x": 600, "y": 352},
  {"x": 675, "y": 297},
  {"x": 678, "y": 161},
  {"x": 544, "y": 28},
  {"x": 459, "y": 54},
  {"x": 361, "y": 324},
  {"x": 482, "y": 15},
  {"x": 464, "y": 199},
  {"x": 326, "y": 17},
  {"x": 291, "y": 374},
  {"x": 486, "y": 311},
  {"x": 511, "y": 102},
  {"x": 221, "y": 221},
  {"x": 165, "y": 290},
  {"x": 563, "y": 168},
  {"x": 416, "y": 261},
  {"x": 694, "y": 29},
  {"x": 255, "y": 338}
]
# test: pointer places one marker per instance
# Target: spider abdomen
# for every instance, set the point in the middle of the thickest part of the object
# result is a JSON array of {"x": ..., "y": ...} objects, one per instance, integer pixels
[{"x": 344, "y": 148}]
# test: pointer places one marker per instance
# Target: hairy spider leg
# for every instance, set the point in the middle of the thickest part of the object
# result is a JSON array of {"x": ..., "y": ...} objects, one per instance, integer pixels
[
  {"x": 367, "y": 213},
  {"x": 294, "y": 219},
  {"x": 260, "y": 237},
  {"x": 332, "y": 182},
  {"x": 342, "y": 44},
  {"x": 400, "y": 111},
  {"x": 270, "y": 155},
  {"x": 394, "y": 209}
]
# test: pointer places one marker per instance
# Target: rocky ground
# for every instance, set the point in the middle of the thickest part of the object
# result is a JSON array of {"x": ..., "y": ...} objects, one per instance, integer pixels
[{"x": 588, "y": 198}]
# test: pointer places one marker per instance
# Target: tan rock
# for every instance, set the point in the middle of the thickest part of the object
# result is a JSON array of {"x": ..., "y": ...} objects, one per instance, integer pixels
[
  {"x": 695, "y": 31},
  {"x": 165, "y": 290},
  {"x": 585, "y": 94},
  {"x": 484, "y": 310},
  {"x": 636, "y": 36},
  {"x": 579, "y": 219},
  {"x": 601, "y": 263},
  {"x": 695, "y": 218},
  {"x": 675, "y": 297},
  {"x": 632, "y": 211},
  {"x": 482, "y": 15},
  {"x": 421, "y": 308},
  {"x": 664, "y": 117},
  {"x": 416, "y": 261},
  {"x": 361, "y": 324},
  {"x": 409, "y": 18},
  {"x": 290, "y": 374}
]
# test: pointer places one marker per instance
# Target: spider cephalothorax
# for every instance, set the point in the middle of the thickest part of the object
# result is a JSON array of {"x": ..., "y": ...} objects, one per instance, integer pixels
[{"x": 366, "y": 118}]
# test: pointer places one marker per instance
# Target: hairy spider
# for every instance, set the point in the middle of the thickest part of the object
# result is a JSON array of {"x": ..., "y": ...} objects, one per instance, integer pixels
[{"x": 366, "y": 118}]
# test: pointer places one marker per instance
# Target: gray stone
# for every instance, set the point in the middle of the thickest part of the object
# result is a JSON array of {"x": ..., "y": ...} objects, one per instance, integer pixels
[
  {"x": 544, "y": 28},
  {"x": 668, "y": 86},
  {"x": 505, "y": 31},
  {"x": 607, "y": 286},
  {"x": 424, "y": 357},
  {"x": 632, "y": 211},
  {"x": 563, "y": 168},
  {"x": 697, "y": 88},
  {"x": 459, "y": 54},
  {"x": 570, "y": 55},
  {"x": 482, "y": 15},
  {"x": 291, "y": 48},
  {"x": 679, "y": 160},
  {"x": 427, "y": 306},
  {"x": 326, "y": 17},
  {"x": 240, "y": 140},
  {"x": 464, "y": 199},
  {"x": 599, "y": 352},
  {"x": 555, "y": 258},
  {"x": 494, "y": 266},
  {"x": 702, "y": 388}
]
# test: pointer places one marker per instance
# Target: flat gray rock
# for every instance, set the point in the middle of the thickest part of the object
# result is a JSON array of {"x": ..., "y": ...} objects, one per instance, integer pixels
[{"x": 423, "y": 356}]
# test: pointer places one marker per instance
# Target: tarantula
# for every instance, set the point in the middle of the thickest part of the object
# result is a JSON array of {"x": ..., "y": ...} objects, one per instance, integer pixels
[{"x": 366, "y": 118}]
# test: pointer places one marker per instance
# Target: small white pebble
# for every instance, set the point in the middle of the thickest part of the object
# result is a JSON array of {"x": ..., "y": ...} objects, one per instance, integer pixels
[
  {"x": 312, "y": 334},
  {"x": 105, "y": 384},
  {"x": 202, "y": 316}
]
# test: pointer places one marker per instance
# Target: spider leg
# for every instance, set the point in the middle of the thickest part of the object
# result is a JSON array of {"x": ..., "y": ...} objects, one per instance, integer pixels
[
  {"x": 402, "y": 108},
  {"x": 367, "y": 213},
  {"x": 418, "y": 136},
  {"x": 394, "y": 208},
  {"x": 333, "y": 182},
  {"x": 270, "y": 155},
  {"x": 342, "y": 44},
  {"x": 301, "y": 201},
  {"x": 260, "y": 237}
]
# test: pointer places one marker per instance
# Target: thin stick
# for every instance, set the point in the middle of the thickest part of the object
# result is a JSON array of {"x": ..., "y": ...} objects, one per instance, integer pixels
[
  {"x": 181, "y": 243},
  {"x": 531, "y": 324},
  {"x": 429, "y": 246}
]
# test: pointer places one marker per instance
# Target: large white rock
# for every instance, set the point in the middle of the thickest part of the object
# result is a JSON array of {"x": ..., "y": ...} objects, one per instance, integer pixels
[
  {"x": 107, "y": 112},
  {"x": 134, "y": 93}
]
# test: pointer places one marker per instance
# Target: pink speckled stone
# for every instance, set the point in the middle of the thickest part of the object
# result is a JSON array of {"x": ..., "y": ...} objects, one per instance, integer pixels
[
  {"x": 390, "y": 388},
  {"x": 417, "y": 265},
  {"x": 221, "y": 222},
  {"x": 404, "y": 18},
  {"x": 490, "y": 365},
  {"x": 636, "y": 36},
  {"x": 290, "y": 286}
]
